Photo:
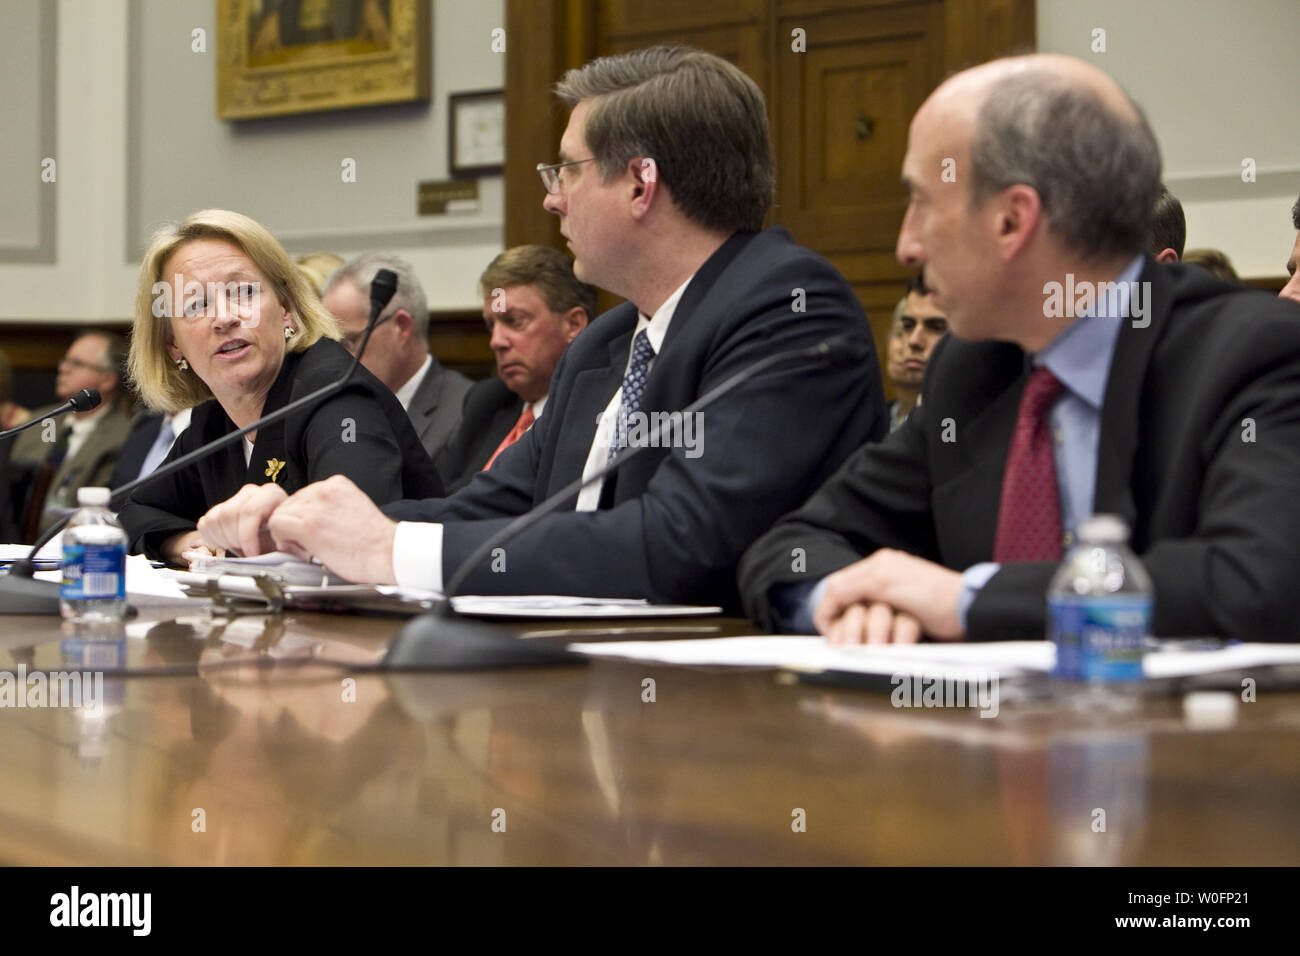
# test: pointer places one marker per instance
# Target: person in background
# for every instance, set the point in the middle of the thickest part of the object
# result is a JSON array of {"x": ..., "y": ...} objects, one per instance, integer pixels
[
  {"x": 398, "y": 350},
  {"x": 151, "y": 438},
  {"x": 226, "y": 324},
  {"x": 1292, "y": 288},
  {"x": 1168, "y": 228},
  {"x": 317, "y": 267},
  {"x": 534, "y": 307},
  {"x": 11, "y": 413},
  {"x": 55, "y": 459},
  {"x": 918, "y": 324},
  {"x": 1214, "y": 262},
  {"x": 11, "y": 416}
]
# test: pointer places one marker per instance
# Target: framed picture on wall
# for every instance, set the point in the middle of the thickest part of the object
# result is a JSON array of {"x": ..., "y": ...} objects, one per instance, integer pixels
[
  {"x": 478, "y": 133},
  {"x": 281, "y": 57}
]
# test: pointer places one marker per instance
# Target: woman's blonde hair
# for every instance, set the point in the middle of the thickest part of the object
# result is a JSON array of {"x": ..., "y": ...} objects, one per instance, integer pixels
[{"x": 160, "y": 383}]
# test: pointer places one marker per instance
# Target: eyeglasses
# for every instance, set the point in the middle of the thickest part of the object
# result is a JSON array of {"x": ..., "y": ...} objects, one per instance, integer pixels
[
  {"x": 550, "y": 173},
  {"x": 78, "y": 363}
]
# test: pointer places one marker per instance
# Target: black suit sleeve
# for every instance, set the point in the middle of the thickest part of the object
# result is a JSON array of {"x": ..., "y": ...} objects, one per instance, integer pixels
[
  {"x": 348, "y": 434},
  {"x": 361, "y": 432},
  {"x": 879, "y": 498}
]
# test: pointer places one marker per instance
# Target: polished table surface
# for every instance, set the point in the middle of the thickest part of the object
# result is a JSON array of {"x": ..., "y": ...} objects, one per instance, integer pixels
[{"x": 230, "y": 762}]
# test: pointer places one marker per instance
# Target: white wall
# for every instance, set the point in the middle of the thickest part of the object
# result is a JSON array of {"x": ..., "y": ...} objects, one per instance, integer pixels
[
  {"x": 138, "y": 143},
  {"x": 1219, "y": 80}
]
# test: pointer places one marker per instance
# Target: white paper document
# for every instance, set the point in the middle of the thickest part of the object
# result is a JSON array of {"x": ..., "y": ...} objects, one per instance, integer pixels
[
  {"x": 1007, "y": 658},
  {"x": 146, "y": 586},
  {"x": 50, "y": 551},
  {"x": 285, "y": 568},
  {"x": 565, "y": 606}
]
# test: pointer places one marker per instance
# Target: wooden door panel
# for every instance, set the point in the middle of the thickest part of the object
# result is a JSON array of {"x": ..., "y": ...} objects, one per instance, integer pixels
[{"x": 845, "y": 105}]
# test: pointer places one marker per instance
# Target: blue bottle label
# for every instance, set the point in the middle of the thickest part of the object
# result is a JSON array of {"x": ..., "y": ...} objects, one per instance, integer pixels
[
  {"x": 93, "y": 571},
  {"x": 1099, "y": 638}
]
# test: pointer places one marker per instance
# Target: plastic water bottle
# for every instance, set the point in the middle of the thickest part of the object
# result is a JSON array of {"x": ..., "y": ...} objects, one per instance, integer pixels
[
  {"x": 1099, "y": 615},
  {"x": 94, "y": 561}
]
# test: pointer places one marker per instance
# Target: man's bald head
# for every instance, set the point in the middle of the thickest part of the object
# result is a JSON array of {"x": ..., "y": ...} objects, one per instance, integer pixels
[
  {"x": 1067, "y": 129},
  {"x": 1020, "y": 171}
]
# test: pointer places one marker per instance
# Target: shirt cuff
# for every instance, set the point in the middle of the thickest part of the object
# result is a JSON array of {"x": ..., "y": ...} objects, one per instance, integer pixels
[
  {"x": 417, "y": 555},
  {"x": 972, "y": 580},
  {"x": 793, "y": 605}
]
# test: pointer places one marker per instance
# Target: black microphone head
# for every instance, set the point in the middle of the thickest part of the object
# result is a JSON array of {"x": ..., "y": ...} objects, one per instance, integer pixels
[
  {"x": 85, "y": 400},
  {"x": 842, "y": 349},
  {"x": 382, "y": 289}
]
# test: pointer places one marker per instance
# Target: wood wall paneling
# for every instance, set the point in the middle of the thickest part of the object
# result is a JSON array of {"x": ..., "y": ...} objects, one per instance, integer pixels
[{"x": 839, "y": 111}]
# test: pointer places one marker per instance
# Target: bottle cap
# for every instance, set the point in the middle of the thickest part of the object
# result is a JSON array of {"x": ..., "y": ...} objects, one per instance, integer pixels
[
  {"x": 93, "y": 497},
  {"x": 1210, "y": 709},
  {"x": 1103, "y": 529}
]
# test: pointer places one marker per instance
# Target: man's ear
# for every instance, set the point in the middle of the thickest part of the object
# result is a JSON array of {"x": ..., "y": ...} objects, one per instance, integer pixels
[
  {"x": 644, "y": 173},
  {"x": 1167, "y": 255},
  {"x": 573, "y": 322},
  {"x": 1018, "y": 212},
  {"x": 404, "y": 324}
]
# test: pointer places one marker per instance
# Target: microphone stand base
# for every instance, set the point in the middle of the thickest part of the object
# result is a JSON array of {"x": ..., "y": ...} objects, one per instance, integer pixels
[
  {"x": 22, "y": 595},
  {"x": 440, "y": 640}
]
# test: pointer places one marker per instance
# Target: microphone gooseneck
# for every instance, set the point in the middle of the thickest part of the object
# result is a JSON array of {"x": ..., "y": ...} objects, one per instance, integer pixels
[{"x": 83, "y": 401}]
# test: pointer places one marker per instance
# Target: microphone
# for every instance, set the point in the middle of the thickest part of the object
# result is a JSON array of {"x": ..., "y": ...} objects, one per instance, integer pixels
[
  {"x": 382, "y": 289},
  {"x": 440, "y": 639},
  {"x": 21, "y": 594},
  {"x": 83, "y": 401}
]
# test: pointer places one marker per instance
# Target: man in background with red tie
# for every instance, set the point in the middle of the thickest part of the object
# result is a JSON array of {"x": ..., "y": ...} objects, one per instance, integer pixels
[
  {"x": 1080, "y": 377},
  {"x": 534, "y": 307}
]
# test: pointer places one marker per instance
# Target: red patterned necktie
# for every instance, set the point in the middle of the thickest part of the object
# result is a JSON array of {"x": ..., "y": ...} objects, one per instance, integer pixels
[
  {"x": 525, "y": 422},
  {"x": 1029, "y": 515}
]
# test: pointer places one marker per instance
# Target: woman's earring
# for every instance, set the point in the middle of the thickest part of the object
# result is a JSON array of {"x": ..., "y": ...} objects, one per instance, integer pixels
[
  {"x": 182, "y": 364},
  {"x": 289, "y": 332}
]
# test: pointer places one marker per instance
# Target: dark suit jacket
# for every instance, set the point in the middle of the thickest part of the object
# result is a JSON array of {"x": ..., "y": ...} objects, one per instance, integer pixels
[
  {"x": 678, "y": 525},
  {"x": 361, "y": 432},
  {"x": 490, "y": 411},
  {"x": 1199, "y": 450},
  {"x": 144, "y": 430},
  {"x": 435, "y": 407}
]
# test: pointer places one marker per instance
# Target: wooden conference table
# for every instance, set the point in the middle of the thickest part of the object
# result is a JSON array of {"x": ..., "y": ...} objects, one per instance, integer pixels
[{"x": 240, "y": 764}]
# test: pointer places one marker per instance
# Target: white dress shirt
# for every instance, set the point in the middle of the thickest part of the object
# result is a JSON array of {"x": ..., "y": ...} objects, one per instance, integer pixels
[
  {"x": 407, "y": 391},
  {"x": 81, "y": 429}
]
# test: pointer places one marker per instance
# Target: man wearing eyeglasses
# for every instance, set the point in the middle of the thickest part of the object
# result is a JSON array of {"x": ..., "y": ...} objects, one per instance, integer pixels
[
  {"x": 51, "y": 461},
  {"x": 664, "y": 177}
]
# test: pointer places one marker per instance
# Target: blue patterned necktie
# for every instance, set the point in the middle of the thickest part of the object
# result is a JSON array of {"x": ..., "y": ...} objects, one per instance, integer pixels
[{"x": 633, "y": 389}]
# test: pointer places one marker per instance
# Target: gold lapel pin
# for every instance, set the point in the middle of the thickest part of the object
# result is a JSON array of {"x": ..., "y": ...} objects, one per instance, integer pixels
[{"x": 273, "y": 466}]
